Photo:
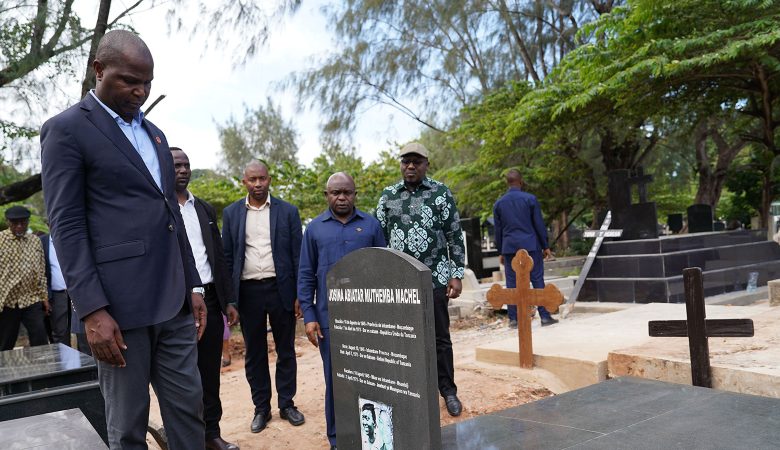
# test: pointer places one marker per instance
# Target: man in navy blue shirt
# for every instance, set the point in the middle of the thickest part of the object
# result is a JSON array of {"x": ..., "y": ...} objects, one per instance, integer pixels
[
  {"x": 519, "y": 225},
  {"x": 339, "y": 230}
]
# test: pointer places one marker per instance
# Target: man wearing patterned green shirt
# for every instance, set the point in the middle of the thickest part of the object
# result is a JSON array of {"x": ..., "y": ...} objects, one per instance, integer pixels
[{"x": 419, "y": 217}]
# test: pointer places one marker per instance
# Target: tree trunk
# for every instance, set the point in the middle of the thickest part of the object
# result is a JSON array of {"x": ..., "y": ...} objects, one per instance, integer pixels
[
  {"x": 20, "y": 190},
  {"x": 100, "y": 30}
]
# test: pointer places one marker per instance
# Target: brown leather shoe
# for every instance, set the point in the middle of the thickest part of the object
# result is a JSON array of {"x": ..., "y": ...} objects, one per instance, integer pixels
[{"x": 220, "y": 444}]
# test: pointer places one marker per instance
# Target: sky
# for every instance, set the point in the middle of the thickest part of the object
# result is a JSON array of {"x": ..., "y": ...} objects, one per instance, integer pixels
[{"x": 204, "y": 89}]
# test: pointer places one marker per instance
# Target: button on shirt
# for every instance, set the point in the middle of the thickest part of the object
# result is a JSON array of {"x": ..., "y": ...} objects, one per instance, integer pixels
[
  {"x": 57, "y": 280},
  {"x": 139, "y": 138},
  {"x": 424, "y": 224},
  {"x": 195, "y": 236},
  {"x": 325, "y": 242},
  {"x": 258, "y": 257},
  {"x": 22, "y": 271}
]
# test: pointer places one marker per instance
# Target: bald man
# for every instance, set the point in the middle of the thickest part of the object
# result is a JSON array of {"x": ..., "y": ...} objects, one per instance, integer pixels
[
  {"x": 108, "y": 182},
  {"x": 342, "y": 228},
  {"x": 262, "y": 239}
]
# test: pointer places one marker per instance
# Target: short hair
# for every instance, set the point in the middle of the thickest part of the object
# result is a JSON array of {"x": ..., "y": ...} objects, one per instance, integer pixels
[
  {"x": 115, "y": 43},
  {"x": 175, "y": 149},
  {"x": 514, "y": 176},
  {"x": 369, "y": 407}
]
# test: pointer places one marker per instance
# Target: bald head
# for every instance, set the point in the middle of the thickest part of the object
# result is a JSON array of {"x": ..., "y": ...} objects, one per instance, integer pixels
[
  {"x": 254, "y": 166},
  {"x": 257, "y": 182},
  {"x": 340, "y": 193},
  {"x": 513, "y": 178}
]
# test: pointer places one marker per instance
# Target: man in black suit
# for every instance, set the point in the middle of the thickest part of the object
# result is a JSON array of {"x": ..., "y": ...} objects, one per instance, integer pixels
[
  {"x": 262, "y": 237},
  {"x": 200, "y": 220},
  {"x": 107, "y": 178}
]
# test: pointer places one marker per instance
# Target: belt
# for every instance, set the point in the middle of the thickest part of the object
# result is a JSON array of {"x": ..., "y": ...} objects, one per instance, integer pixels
[
  {"x": 263, "y": 281},
  {"x": 209, "y": 287},
  {"x": 60, "y": 291}
]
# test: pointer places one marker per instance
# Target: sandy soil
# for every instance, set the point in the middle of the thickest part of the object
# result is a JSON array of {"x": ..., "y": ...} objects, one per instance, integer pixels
[{"x": 483, "y": 388}]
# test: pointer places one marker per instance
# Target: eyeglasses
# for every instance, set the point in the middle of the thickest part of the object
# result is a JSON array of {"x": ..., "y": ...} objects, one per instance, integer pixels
[
  {"x": 344, "y": 192},
  {"x": 415, "y": 161}
]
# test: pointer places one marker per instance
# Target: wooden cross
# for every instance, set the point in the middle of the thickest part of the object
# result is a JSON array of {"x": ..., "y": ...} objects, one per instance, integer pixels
[
  {"x": 524, "y": 297},
  {"x": 697, "y": 329}
]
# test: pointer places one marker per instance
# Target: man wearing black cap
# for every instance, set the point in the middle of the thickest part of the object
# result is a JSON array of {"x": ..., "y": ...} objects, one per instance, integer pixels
[
  {"x": 419, "y": 217},
  {"x": 22, "y": 281}
]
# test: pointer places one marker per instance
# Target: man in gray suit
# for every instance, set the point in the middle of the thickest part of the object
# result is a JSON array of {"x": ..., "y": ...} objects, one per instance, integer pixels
[{"x": 108, "y": 182}]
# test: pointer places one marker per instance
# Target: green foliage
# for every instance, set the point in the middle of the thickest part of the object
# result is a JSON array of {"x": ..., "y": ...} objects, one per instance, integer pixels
[
  {"x": 219, "y": 191},
  {"x": 262, "y": 134}
]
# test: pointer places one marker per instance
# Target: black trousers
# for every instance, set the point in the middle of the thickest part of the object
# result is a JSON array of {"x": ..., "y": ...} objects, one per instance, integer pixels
[
  {"x": 209, "y": 363},
  {"x": 444, "y": 364},
  {"x": 33, "y": 319},
  {"x": 259, "y": 300}
]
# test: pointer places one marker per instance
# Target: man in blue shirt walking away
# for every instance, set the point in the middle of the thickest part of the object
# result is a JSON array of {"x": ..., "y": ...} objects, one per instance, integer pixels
[
  {"x": 519, "y": 225},
  {"x": 339, "y": 230}
]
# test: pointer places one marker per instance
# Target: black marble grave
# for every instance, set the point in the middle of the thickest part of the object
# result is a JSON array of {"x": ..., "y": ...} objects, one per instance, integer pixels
[
  {"x": 383, "y": 353},
  {"x": 700, "y": 219},
  {"x": 637, "y": 220},
  {"x": 650, "y": 270},
  {"x": 48, "y": 378},
  {"x": 60, "y": 430},
  {"x": 627, "y": 413}
]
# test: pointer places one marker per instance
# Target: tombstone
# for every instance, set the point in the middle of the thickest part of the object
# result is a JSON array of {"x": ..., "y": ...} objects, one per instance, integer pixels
[
  {"x": 600, "y": 234},
  {"x": 524, "y": 297},
  {"x": 697, "y": 329},
  {"x": 719, "y": 225},
  {"x": 61, "y": 429},
  {"x": 700, "y": 218},
  {"x": 48, "y": 378},
  {"x": 675, "y": 222},
  {"x": 638, "y": 220},
  {"x": 383, "y": 352},
  {"x": 473, "y": 240}
]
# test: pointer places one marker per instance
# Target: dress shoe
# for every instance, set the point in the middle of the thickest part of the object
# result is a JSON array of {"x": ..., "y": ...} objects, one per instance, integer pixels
[
  {"x": 333, "y": 447},
  {"x": 548, "y": 321},
  {"x": 220, "y": 444},
  {"x": 453, "y": 405},
  {"x": 292, "y": 414},
  {"x": 260, "y": 421}
]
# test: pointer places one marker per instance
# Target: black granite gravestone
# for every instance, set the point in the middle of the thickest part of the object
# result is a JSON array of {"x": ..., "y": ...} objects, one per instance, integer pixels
[
  {"x": 700, "y": 218},
  {"x": 626, "y": 413},
  {"x": 638, "y": 220},
  {"x": 473, "y": 240},
  {"x": 383, "y": 352},
  {"x": 59, "y": 430},
  {"x": 675, "y": 222},
  {"x": 47, "y": 378}
]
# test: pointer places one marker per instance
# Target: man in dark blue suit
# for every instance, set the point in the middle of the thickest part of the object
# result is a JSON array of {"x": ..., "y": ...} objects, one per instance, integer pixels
[
  {"x": 108, "y": 182},
  {"x": 59, "y": 302},
  {"x": 262, "y": 238},
  {"x": 519, "y": 225}
]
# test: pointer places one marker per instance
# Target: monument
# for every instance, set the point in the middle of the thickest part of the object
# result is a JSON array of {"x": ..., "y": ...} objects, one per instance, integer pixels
[
  {"x": 524, "y": 297},
  {"x": 638, "y": 220},
  {"x": 383, "y": 352}
]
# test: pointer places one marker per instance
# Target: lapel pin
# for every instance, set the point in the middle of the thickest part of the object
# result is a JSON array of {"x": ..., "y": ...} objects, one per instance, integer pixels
[
  {"x": 358, "y": 229},
  {"x": 157, "y": 138}
]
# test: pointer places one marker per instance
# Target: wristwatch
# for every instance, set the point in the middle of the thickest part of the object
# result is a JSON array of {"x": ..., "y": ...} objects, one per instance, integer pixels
[{"x": 199, "y": 290}]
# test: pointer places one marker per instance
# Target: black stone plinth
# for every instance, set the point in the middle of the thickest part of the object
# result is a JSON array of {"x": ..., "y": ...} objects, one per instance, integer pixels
[
  {"x": 48, "y": 378},
  {"x": 700, "y": 219},
  {"x": 60, "y": 430},
  {"x": 627, "y": 413},
  {"x": 650, "y": 270}
]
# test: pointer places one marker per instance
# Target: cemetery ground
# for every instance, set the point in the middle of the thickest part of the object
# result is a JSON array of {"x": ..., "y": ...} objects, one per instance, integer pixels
[{"x": 482, "y": 387}]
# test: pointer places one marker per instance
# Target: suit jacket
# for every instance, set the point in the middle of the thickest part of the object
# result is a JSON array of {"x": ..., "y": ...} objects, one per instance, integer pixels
[
  {"x": 121, "y": 240},
  {"x": 45, "y": 243},
  {"x": 207, "y": 217},
  {"x": 518, "y": 223},
  {"x": 286, "y": 235}
]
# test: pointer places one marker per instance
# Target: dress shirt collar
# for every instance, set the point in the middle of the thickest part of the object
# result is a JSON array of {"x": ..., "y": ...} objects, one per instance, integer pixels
[
  {"x": 515, "y": 188},
  {"x": 426, "y": 183},
  {"x": 355, "y": 213},
  {"x": 138, "y": 116},
  {"x": 190, "y": 198},
  {"x": 267, "y": 203}
]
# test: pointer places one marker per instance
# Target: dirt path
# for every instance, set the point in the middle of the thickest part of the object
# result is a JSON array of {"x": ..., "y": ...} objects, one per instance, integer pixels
[{"x": 483, "y": 388}]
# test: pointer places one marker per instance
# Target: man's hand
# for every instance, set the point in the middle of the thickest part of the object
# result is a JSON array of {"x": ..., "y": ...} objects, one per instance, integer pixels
[
  {"x": 46, "y": 307},
  {"x": 105, "y": 338},
  {"x": 547, "y": 253},
  {"x": 298, "y": 311},
  {"x": 313, "y": 332},
  {"x": 232, "y": 315},
  {"x": 199, "y": 313},
  {"x": 501, "y": 260},
  {"x": 454, "y": 287}
]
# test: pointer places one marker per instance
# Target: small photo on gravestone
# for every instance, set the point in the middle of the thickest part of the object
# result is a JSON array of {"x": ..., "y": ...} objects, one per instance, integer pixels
[{"x": 376, "y": 425}]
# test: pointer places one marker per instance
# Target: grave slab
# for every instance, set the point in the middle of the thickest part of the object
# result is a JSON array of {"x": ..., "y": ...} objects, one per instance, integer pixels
[
  {"x": 626, "y": 413},
  {"x": 578, "y": 351},
  {"x": 59, "y": 430}
]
